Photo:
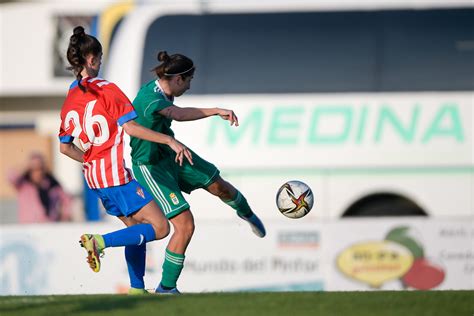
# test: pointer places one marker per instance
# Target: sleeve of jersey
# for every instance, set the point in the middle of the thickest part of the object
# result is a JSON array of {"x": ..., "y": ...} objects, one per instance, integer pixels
[
  {"x": 119, "y": 105},
  {"x": 65, "y": 135},
  {"x": 155, "y": 106}
]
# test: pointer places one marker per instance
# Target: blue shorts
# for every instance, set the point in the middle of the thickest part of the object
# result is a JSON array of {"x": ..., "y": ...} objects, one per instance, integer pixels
[{"x": 124, "y": 200}]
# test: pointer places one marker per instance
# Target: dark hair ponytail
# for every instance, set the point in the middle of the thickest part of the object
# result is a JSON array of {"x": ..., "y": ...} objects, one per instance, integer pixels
[
  {"x": 173, "y": 65},
  {"x": 80, "y": 46}
]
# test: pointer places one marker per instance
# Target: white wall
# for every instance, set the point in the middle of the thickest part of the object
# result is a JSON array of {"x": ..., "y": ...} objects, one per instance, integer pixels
[{"x": 27, "y": 34}]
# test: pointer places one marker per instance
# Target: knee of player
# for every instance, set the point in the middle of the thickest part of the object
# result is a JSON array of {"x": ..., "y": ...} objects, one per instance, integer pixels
[
  {"x": 189, "y": 229},
  {"x": 184, "y": 228},
  {"x": 162, "y": 229}
]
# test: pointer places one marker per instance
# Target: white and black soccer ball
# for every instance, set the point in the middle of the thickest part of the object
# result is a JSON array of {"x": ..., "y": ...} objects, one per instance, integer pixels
[{"x": 294, "y": 199}]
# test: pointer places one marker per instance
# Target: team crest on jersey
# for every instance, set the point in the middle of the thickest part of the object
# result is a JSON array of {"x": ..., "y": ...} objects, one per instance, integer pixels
[
  {"x": 174, "y": 198},
  {"x": 140, "y": 192}
]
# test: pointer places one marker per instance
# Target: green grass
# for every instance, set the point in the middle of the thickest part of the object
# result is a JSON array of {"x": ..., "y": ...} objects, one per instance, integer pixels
[{"x": 398, "y": 303}]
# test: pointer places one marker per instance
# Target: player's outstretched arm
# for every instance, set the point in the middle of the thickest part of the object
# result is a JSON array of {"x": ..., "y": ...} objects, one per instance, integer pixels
[
  {"x": 191, "y": 114},
  {"x": 72, "y": 151},
  {"x": 136, "y": 130}
]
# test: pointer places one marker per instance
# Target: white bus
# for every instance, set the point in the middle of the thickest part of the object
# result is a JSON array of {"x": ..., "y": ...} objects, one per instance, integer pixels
[{"x": 372, "y": 108}]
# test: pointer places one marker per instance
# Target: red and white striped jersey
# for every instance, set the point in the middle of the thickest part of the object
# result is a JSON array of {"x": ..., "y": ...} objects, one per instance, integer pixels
[{"x": 96, "y": 118}]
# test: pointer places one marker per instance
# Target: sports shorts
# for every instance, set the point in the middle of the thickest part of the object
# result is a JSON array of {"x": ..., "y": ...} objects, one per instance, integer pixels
[
  {"x": 166, "y": 181},
  {"x": 124, "y": 200}
]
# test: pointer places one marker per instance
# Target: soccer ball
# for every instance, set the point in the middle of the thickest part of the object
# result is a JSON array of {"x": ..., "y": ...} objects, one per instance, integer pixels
[{"x": 294, "y": 199}]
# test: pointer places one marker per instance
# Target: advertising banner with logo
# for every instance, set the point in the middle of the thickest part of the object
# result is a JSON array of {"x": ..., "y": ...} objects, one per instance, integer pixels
[
  {"x": 224, "y": 255},
  {"x": 400, "y": 254}
]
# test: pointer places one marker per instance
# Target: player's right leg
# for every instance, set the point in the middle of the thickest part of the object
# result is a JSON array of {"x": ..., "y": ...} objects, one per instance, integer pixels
[
  {"x": 133, "y": 201},
  {"x": 203, "y": 174}
]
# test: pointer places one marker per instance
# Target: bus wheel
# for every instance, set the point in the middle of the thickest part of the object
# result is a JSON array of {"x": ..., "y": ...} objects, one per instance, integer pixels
[{"x": 384, "y": 204}]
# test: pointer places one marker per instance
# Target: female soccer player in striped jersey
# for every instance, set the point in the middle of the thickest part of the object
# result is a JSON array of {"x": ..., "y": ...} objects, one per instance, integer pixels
[
  {"x": 97, "y": 112},
  {"x": 153, "y": 163}
]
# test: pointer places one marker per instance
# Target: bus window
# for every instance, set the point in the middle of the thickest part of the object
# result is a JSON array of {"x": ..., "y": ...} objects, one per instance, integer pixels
[
  {"x": 271, "y": 53},
  {"x": 424, "y": 50},
  {"x": 289, "y": 52},
  {"x": 313, "y": 52}
]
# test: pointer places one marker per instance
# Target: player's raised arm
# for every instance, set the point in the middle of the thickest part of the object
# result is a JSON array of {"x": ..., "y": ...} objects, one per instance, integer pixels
[{"x": 136, "y": 130}]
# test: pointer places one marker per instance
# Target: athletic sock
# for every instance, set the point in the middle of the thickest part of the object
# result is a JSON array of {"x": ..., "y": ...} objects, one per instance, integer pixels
[
  {"x": 135, "y": 257},
  {"x": 172, "y": 267},
  {"x": 130, "y": 236},
  {"x": 239, "y": 203}
]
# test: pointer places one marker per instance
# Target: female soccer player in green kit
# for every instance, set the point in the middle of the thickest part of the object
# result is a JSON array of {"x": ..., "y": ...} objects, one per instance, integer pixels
[{"x": 155, "y": 168}]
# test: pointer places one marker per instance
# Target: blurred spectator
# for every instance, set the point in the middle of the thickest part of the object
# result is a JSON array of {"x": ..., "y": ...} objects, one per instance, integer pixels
[{"x": 40, "y": 196}]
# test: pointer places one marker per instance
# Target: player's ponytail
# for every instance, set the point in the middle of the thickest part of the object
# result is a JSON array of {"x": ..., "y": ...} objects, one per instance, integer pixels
[
  {"x": 173, "y": 65},
  {"x": 80, "y": 46}
]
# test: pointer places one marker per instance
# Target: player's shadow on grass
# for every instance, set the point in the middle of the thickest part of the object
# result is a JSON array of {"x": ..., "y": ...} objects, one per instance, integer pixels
[
  {"x": 72, "y": 304},
  {"x": 99, "y": 303}
]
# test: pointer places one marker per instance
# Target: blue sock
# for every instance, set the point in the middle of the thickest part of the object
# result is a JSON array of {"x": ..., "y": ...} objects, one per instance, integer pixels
[
  {"x": 135, "y": 257},
  {"x": 130, "y": 236}
]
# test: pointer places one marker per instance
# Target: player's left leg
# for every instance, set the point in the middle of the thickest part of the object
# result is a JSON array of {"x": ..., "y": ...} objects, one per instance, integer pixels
[
  {"x": 183, "y": 225},
  {"x": 232, "y": 197},
  {"x": 162, "y": 181},
  {"x": 135, "y": 256}
]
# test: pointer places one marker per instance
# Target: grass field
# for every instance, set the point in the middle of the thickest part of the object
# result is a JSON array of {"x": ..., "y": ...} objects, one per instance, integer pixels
[{"x": 452, "y": 303}]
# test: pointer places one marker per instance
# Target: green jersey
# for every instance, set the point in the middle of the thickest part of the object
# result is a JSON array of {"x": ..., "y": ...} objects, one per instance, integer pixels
[
  {"x": 153, "y": 164},
  {"x": 148, "y": 103}
]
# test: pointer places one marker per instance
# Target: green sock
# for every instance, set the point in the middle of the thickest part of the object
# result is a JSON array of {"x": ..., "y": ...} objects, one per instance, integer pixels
[
  {"x": 239, "y": 203},
  {"x": 171, "y": 268}
]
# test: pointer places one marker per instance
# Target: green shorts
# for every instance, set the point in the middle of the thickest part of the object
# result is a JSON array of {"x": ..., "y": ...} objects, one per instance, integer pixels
[{"x": 167, "y": 180}]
